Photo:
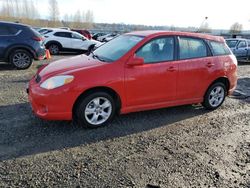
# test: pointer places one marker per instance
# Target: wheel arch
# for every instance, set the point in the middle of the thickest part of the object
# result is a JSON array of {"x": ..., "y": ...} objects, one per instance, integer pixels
[
  {"x": 108, "y": 90},
  {"x": 11, "y": 49},
  {"x": 53, "y": 42},
  {"x": 223, "y": 80}
]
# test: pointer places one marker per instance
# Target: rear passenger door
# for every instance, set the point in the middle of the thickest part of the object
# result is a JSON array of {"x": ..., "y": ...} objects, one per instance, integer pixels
[
  {"x": 195, "y": 67},
  {"x": 77, "y": 41}
]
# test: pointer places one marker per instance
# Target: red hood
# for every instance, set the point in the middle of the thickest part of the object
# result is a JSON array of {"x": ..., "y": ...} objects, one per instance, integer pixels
[{"x": 69, "y": 64}]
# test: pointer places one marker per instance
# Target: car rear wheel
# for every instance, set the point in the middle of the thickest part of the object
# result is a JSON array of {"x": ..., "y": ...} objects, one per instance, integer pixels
[
  {"x": 95, "y": 110},
  {"x": 21, "y": 59},
  {"x": 54, "y": 49},
  {"x": 215, "y": 96}
]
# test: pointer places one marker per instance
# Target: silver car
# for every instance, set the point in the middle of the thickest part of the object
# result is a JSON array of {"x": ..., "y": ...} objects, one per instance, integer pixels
[{"x": 240, "y": 47}]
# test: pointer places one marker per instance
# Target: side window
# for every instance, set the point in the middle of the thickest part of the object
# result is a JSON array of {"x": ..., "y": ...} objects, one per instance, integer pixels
[
  {"x": 63, "y": 34},
  {"x": 157, "y": 50},
  {"x": 6, "y": 30},
  {"x": 219, "y": 48},
  {"x": 242, "y": 44},
  {"x": 77, "y": 36},
  {"x": 191, "y": 48}
]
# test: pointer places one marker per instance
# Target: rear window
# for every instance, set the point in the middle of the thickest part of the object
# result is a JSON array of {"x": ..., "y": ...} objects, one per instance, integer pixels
[
  {"x": 219, "y": 48},
  {"x": 35, "y": 32}
]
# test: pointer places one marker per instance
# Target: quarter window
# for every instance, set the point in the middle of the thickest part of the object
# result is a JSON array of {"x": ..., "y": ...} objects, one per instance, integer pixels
[
  {"x": 219, "y": 48},
  {"x": 191, "y": 48},
  {"x": 157, "y": 50}
]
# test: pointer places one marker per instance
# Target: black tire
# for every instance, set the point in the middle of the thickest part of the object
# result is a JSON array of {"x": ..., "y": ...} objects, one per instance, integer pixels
[
  {"x": 90, "y": 49},
  {"x": 54, "y": 48},
  {"x": 81, "y": 118},
  {"x": 21, "y": 59},
  {"x": 217, "y": 99}
]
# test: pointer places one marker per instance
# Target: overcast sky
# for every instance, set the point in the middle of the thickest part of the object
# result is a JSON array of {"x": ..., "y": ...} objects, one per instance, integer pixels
[{"x": 180, "y": 13}]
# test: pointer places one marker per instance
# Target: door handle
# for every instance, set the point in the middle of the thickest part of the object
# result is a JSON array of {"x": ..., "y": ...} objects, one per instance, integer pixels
[
  {"x": 171, "y": 69},
  {"x": 209, "y": 64}
]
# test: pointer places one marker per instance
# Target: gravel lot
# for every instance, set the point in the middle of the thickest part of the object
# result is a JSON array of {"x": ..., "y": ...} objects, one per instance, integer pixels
[{"x": 175, "y": 147}]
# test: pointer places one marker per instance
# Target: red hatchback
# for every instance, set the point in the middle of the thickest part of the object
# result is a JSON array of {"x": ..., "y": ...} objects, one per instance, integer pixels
[{"x": 134, "y": 72}]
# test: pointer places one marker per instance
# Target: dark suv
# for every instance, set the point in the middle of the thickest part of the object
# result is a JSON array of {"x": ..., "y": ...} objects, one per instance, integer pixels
[{"x": 20, "y": 44}]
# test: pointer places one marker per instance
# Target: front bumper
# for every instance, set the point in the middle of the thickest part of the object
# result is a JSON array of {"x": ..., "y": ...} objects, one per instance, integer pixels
[{"x": 56, "y": 104}]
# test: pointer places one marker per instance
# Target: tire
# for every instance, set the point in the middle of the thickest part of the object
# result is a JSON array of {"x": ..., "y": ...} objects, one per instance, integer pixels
[
  {"x": 215, "y": 96},
  {"x": 21, "y": 59},
  {"x": 54, "y": 49},
  {"x": 90, "y": 110},
  {"x": 90, "y": 49}
]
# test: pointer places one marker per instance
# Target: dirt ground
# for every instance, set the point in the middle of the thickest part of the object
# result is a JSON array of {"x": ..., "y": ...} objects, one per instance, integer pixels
[{"x": 184, "y": 146}]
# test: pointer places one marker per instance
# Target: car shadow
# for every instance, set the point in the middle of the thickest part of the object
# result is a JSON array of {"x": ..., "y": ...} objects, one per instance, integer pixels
[
  {"x": 243, "y": 63},
  {"x": 4, "y": 66},
  {"x": 21, "y": 133},
  {"x": 242, "y": 91}
]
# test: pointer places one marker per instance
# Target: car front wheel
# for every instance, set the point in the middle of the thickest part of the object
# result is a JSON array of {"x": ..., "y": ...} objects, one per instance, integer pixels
[
  {"x": 215, "y": 96},
  {"x": 95, "y": 110}
]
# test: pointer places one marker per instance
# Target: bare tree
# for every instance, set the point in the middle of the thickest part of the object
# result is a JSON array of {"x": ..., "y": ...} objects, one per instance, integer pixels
[
  {"x": 53, "y": 12},
  {"x": 236, "y": 28},
  {"x": 89, "y": 19},
  {"x": 77, "y": 20},
  {"x": 204, "y": 28}
]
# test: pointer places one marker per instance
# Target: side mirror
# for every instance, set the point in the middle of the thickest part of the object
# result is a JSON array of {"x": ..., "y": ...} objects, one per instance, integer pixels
[
  {"x": 83, "y": 39},
  {"x": 135, "y": 61}
]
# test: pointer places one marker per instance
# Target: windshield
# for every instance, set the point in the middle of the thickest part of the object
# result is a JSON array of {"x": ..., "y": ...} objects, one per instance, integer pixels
[
  {"x": 231, "y": 43},
  {"x": 116, "y": 48}
]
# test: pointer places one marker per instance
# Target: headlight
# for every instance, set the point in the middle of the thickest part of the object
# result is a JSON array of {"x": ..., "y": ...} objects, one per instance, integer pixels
[{"x": 56, "y": 81}]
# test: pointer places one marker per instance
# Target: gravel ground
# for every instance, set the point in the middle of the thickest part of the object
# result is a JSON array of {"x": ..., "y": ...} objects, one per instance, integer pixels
[{"x": 184, "y": 146}]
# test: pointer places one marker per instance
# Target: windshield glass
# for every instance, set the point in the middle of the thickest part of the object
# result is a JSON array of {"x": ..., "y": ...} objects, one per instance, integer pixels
[
  {"x": 231, "y": 43},
  {"x": 116, "y": 48}
]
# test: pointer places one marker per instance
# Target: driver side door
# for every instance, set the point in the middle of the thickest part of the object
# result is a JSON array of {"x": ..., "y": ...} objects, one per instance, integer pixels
[
  {"x": 241, "y": 49},
  {"x": 77, "y": 41},
  {"x": 153, "y": 83}
]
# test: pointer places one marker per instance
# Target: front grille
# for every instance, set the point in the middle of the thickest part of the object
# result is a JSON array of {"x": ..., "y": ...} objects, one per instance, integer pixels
[{"x": 37, "y": 78}]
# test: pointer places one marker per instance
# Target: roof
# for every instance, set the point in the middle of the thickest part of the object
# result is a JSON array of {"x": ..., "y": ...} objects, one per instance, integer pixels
[
  {"x": 14, "y": 23},
  {"x": 161, "y": 33},
  {"x": 237, "y": 39}
]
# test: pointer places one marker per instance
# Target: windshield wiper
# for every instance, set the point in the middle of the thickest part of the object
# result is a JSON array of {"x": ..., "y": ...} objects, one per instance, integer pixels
[{"x": 98, "y": 57}]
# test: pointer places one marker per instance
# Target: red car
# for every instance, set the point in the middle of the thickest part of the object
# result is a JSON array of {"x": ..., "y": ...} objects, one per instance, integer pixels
[
  {"x": 85, "y": 33},
  {"x": 134, "y": 72}
]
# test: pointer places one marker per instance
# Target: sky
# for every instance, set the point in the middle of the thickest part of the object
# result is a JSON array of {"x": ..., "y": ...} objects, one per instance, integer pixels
[{"x": 179, "y": 13}]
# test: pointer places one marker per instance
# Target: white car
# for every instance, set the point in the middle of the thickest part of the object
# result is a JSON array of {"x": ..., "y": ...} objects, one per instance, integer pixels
[
  {"x": 63, "y": 40},
  {"x": 108, "y": 36}
]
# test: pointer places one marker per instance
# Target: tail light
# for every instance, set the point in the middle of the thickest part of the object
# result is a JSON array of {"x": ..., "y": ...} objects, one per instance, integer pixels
[{"x": 39, "y": 39}]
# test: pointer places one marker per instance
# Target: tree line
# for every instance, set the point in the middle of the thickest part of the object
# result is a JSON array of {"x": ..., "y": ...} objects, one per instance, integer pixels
[{"x": 26, "y": 11}]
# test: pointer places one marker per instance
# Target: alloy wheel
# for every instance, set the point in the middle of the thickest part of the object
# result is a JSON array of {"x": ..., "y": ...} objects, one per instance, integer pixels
[{"x": 98, "y": 111}]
